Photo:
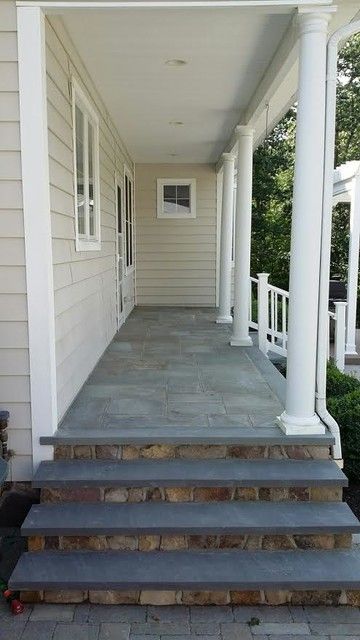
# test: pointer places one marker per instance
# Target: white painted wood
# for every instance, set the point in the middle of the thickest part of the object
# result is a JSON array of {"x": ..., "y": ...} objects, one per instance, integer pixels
[
  {"x": 35, "y": 172},
  {"x": 263, "y": 311},
  {"x": 299, "y": 415},
  {"x": 224, "y": 314},
  {"x": 353, "y": 267},
  {"x": 110, "y": 4},
  {"x": 340, "y": 331},
  {"x": 120, "y": 267},
  {"x": 240, "y": 336}
]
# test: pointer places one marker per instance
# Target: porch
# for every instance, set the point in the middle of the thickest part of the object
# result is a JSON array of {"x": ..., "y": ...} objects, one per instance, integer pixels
[{"x": 173, "y": 367}]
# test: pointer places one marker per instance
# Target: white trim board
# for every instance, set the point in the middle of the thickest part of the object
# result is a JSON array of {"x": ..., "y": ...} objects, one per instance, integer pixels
[
  {"x": 37, "y": 224},
  {"x": 134, "y": 4}
]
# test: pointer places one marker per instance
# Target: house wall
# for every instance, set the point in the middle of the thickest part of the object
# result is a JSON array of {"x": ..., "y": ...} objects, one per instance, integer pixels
[
  {"x": 84, "y": 282},
  {"x": 14, "y": 356},
  {"x": 176, "y": 259}
]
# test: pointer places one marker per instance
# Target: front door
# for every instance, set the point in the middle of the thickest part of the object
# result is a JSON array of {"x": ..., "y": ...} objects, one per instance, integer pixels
[{"x": 129, "y": 245}]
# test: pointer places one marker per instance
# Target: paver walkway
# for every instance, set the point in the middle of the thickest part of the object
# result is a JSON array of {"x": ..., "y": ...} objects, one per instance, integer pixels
[
  {"x": 97, "y": 622},
  {"x": 171, "y": 367}
]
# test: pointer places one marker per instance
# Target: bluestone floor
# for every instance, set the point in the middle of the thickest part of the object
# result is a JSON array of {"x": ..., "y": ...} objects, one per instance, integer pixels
[
  {"x": 100, "y": 622},
  {"x": 174, "y": 367}
]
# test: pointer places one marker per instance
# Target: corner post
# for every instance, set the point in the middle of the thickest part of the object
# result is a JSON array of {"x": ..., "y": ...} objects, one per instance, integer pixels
[
  {"x": 299, "y": 416},
  {"x": 37, "y": 223},
  {"x": 340, "y": 329},
  {"x": 241, "y": 336},
  {"x": 263, "y": 311},
  {"x": 224, "y": 315},
  {"x": 353, "y": 267}
]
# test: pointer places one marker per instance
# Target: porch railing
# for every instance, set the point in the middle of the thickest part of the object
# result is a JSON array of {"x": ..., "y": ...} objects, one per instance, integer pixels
[{"x": 269, "y": 307}]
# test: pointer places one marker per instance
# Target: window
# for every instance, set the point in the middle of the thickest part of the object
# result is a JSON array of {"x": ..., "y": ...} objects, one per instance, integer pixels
[
  {"x": 86, "y": 168},
  {"x": 176, "y": 198},
  {"x": 129, "y": 224}
]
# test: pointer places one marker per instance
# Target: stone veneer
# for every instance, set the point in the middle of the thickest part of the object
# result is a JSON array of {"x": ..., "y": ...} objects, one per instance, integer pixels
[
  {"x": 259, "y": 597},
  {"x": 200, "y": 451}
]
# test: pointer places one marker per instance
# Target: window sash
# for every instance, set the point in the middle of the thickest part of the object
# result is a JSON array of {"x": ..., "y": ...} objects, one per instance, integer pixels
[{"x": 86, "y": 141}]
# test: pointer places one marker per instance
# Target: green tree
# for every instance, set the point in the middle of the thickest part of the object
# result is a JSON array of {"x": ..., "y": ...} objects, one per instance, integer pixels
[{"x": 274, "y": 172}]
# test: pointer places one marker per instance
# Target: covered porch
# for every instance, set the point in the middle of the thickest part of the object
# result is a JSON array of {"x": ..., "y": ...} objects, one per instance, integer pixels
[{"x": 174, "y": 368}]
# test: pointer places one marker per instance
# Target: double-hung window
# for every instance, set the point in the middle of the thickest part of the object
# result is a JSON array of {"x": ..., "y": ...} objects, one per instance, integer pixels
[{"x": 86, "y": 171}]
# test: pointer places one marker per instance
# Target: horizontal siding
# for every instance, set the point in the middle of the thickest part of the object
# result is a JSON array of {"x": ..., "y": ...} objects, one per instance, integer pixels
[
  {"x": 176, "y": 259},
  {"x": 14, "y": 353},
  {"x": 84, "y": 282}
]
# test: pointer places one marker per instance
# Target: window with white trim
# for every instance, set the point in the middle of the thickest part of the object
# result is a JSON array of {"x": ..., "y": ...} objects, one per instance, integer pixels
[
  {"x": 86, "y": 172},
  {"x": 176, "y": 198}
]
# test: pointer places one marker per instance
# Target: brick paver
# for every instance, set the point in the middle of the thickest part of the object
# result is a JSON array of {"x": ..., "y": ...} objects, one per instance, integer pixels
[{"x": 101, "y": 622}]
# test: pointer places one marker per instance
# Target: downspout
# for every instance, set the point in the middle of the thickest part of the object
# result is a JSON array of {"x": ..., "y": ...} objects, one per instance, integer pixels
[{"x": 329, "y": 151}]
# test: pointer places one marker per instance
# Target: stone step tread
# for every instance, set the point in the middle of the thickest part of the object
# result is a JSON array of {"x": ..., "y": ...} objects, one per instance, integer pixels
[
  {"x": 180, "y": 435},
  {"x": 242, "y": 518},
  {"x": 194, "y": 570},
  {"x": 180, "y": 473}
]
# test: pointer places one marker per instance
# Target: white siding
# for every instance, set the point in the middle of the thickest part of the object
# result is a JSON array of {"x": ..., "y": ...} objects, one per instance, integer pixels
[
  {"x": 14, "y": 356},
  {"x": 176, "y": 259},
  {"x": 84, "y": 282}
]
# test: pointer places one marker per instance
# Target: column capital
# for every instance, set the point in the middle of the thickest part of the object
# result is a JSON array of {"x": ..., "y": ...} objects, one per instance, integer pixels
[
  {"x": 314, "y": 19},
  {"x": 228, "y": 157},
  {"x": 244, "y": 130}
]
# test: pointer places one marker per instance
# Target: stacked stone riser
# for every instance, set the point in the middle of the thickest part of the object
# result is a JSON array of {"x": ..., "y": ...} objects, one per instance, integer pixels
[
  {"x": 191, "y": 494},
  {"x": 200, "y": 451},
  {"x": 260, "y": 597},
  {"x": 193, "y": 542}
]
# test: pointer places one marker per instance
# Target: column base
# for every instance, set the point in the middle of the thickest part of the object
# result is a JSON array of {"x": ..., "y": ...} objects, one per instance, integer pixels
[
  {"x": 293, "y": 426},
  {"x": 241, "y": 342},
  {"x": 224, "y": 320},
  {"x": 350, "y": 350}
]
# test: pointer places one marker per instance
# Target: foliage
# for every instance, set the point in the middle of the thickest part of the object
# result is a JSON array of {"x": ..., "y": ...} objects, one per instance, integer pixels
[
  {"x": 274, "y": 171},
  {"x": 338, "y": 383},
  {"x": 343, "y": 402},
  {"x": 346, "y": 411}
]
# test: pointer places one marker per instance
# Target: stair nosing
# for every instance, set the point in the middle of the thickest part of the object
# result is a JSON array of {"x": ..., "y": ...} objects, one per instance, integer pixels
[
  {"x": 193, "y": 570},
  {"x": 200, "y": 518},
  {"x": 184, "y": 435},
  {"x": 179, "y": 472}
]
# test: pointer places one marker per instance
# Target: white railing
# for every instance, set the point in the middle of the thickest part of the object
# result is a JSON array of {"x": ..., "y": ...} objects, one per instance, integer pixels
[{"x": 269, "y": 307}]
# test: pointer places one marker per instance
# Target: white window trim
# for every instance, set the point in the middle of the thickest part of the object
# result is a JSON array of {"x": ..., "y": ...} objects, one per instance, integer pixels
[
  {"x": 128, "y": 173},
  {"x": 84, "y": 243},
  {"x": 161, "y": 182}
]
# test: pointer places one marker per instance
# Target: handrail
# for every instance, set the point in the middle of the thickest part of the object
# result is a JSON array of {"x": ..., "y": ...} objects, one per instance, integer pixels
[{"x": 271, "y": 322}]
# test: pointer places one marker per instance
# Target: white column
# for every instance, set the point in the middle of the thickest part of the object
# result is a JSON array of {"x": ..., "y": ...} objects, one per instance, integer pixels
[
  {"x": 353, "y": 267},
  {"x": 299, "y": 415},
  {"x": 240, "y": 336},
  {"x": 224, "y": 315},
  {"x": 37, "y": 223}
]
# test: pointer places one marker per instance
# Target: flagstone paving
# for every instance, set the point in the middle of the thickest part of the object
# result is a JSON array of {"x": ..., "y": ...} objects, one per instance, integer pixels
[
  {"x": 171, "y": 367},
  {"x": 101, "y": 622}
]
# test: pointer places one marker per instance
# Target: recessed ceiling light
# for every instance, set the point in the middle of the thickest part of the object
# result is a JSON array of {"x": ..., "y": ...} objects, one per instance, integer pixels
[
  {"x": 176, "y": 62},
  {"x": 176, "y": 123},
  {"x": 173, "y": 155}
]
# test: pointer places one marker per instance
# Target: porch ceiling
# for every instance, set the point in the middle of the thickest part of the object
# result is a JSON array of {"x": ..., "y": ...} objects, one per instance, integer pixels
[{"x": 227, "y": 52}]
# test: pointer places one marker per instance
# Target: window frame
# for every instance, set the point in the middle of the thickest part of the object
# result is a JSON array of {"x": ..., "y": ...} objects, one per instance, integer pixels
[
  {"x": 86, "y": 242},
  {"x": 129, "y": 222},
  {"x": 163, "y": 182}
]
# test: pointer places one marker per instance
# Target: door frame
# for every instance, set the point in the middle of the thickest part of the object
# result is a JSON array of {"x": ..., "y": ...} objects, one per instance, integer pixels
[{"x": 119, "y": 181}]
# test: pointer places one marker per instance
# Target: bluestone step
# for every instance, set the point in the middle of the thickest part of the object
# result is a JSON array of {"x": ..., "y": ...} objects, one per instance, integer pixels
[
  {"x": 172, "y": 570},
  {"x": 179, "y": 435},
  {"x": 242, "y": 518},
  {"x": 180, "y": 473}
]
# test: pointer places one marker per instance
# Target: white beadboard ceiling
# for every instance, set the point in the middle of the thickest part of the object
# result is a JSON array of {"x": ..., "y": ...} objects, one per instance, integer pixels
[{"x": 227, "y": 53}]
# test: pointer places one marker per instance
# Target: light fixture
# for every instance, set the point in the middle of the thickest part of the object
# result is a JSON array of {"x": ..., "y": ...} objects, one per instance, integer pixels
[
  {"x": 176, "y": 123},
  {"x": 176, "y": 62}
]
